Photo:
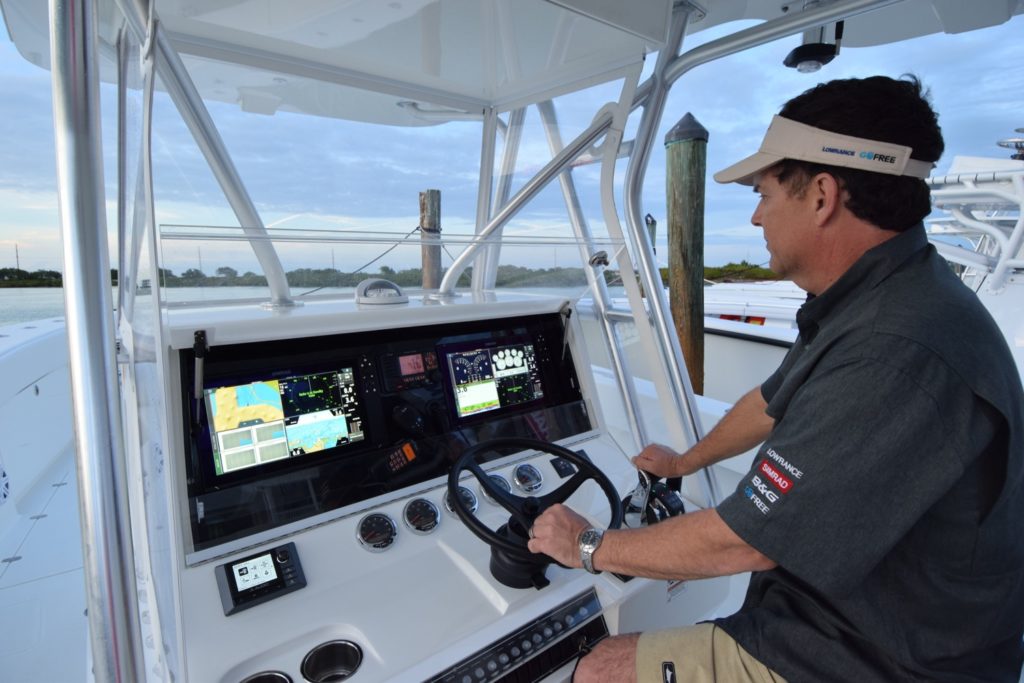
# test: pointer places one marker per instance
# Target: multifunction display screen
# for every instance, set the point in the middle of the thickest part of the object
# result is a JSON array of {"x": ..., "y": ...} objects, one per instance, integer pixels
[
  {"x": 490, "y": 378},
  {"x": 265, "y": 421}
]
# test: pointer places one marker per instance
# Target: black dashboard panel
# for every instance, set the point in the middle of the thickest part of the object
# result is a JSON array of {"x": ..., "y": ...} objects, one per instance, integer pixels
[{"x": 279, "y": 431}]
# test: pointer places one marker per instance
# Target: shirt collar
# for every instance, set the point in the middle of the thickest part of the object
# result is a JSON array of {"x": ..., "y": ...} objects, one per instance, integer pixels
[{"x": 874, "y": 266}]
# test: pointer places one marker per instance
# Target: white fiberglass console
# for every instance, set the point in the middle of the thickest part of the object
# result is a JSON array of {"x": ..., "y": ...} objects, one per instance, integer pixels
[{"x": 317, "y": 540}]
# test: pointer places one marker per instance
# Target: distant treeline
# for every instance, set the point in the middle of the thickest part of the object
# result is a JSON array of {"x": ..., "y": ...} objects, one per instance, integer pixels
[
  {"x": 508, "y": 276},
  {"x": 732, "y": 272},
  {"x": 15, "y": 277}
]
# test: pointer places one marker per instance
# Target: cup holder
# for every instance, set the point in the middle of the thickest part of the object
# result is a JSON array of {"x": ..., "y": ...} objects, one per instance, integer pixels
[
  {"x": 268, "y": 677},
  {"x": 332, "y": 661}
]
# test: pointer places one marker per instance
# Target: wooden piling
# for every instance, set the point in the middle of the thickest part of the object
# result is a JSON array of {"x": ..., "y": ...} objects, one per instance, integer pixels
[
  {"x": 430, "y": 232},
  {"x": 686, "y": 165}
]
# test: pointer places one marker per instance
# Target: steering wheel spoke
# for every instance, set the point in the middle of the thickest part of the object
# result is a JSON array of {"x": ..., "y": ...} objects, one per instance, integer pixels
[
  {"x": 563, "y": 492},
  {"x": 524, "y": 510}
]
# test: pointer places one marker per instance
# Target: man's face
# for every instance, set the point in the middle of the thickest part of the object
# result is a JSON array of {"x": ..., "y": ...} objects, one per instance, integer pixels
[{"x": 787, "y": 222}]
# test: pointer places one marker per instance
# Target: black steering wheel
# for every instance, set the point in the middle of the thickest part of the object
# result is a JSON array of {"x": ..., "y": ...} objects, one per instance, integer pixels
[{"x": 524, "y": 510}]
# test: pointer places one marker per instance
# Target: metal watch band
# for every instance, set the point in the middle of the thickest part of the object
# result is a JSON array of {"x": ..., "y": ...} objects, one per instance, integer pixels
[{"x": 589, "y": 541}]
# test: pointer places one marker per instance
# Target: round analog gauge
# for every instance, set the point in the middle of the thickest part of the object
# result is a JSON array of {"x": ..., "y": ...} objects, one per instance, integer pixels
[
  {"x": 421, "y": 516},
  {"x": 467, "y": 496},
  {"x": 527, "y": 477},
  {"x": 502, "y": 483},
  {"x": 377, "y": 532}
]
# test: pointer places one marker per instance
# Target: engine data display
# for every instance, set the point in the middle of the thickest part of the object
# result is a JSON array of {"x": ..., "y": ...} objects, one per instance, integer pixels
[
  {"x": 265, "y": 421},
  {"x": 486, "y": 379}
]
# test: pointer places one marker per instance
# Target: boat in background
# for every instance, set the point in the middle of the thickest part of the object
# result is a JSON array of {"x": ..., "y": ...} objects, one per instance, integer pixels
[{"x": 330, "y": 487}]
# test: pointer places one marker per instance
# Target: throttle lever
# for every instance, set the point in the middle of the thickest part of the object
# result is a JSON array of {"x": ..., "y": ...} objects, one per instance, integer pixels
[{"x": 636, "y": 505}]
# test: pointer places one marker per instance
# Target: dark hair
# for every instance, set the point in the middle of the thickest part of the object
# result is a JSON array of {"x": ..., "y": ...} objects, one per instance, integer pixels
[{"x": 876, "y": 108}]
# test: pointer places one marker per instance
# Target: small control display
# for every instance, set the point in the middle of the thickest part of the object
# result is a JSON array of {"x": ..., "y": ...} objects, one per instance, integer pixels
[
  {"x": 486, "y": 379},
  {"x": 254, "y": 572},
  {"x": 253, "y": 580},
  {"x": 408, "y": 370}
]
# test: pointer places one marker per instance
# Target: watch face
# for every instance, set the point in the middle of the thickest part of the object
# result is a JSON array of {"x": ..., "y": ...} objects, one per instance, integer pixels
[{"x": 590, "y": 538}]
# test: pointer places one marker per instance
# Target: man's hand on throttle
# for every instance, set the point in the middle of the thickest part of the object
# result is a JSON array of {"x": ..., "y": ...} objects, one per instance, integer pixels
[{"x": 659, "y": 460}]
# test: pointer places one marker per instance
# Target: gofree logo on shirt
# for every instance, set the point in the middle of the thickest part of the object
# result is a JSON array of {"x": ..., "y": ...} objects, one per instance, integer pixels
[{"x": 773, "y": 477}]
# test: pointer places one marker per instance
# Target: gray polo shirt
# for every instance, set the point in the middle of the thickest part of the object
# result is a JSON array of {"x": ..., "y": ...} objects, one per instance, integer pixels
[{"x": 890, "y": 490}]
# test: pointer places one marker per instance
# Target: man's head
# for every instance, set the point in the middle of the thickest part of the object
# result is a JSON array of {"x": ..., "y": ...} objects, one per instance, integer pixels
[{"x": 882, "y": 183}]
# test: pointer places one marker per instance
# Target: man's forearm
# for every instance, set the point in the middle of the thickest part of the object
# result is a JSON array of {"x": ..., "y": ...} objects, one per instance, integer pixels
[
  {"x": 693, "y": 546},
  {"x": 743, "y": 427}
]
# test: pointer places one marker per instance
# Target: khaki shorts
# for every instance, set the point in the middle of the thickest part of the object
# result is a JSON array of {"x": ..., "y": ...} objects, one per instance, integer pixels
[{"x": 697, "y": 654}]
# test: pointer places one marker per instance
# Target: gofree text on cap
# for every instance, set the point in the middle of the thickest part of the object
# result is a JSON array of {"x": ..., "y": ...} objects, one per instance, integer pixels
[{"x": 788, "y": 139}]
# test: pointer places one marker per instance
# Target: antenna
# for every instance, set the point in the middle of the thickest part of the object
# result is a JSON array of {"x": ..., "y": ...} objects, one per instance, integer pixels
[{"x": 1014, "y": 144}]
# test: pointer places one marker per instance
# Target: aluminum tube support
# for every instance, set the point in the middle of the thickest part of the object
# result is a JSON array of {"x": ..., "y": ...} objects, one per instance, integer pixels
[
  {"x": 769, "y": 31},
  {"x": 503, "y": 190},
  {"x": 1010, "y": 260},
  {"x": 680, "y": 387},
  {"x": 484, "y": 198},
  {"x": 595, "y": 277},
  {"x": 103, "y": 500},
  {"x": 997, "y": 235},
  {"x": 195, "y": 115},
  {"x": 529, "y": 191},
  {"x": 122, "y": 175}
]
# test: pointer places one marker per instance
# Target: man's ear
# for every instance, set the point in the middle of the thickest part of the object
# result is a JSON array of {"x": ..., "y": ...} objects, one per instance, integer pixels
[{"x": 827, "y": 196}]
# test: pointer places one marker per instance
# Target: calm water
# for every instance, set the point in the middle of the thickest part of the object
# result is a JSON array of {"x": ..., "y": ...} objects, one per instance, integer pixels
[{"x": 22, "y": 304}]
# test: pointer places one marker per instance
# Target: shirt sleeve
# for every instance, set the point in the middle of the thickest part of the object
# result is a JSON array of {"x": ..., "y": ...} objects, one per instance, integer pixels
[{"x": 860, "y": 453}]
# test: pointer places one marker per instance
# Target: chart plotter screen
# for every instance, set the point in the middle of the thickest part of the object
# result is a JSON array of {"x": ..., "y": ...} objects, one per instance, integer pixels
[
  {"x": 265, "y": 421},
  {"x": 489, "y": 378}
]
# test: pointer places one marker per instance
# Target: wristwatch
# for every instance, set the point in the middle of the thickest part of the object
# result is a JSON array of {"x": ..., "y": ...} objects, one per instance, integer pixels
[{"x": 589, "y": 541}]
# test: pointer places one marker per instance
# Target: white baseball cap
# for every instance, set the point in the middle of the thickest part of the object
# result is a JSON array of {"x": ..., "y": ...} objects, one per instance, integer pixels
[{"x": 788, "y": 139}]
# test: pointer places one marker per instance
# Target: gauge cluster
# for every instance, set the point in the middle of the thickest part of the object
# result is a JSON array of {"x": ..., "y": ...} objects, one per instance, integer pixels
[
  {"x": 285, "y": 430},
  {"x": 421, "y": 515}
]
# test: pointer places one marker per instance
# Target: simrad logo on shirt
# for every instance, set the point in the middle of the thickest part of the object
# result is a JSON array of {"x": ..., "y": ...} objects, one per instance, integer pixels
[{"x": 773, "y": 477}]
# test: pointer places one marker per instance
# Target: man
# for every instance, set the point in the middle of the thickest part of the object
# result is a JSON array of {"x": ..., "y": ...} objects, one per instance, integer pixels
[{"x": 880, "y": 516}]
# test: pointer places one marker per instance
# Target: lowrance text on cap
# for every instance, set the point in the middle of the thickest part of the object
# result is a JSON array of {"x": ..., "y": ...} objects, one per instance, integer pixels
[{"x": 788, "y": 139}]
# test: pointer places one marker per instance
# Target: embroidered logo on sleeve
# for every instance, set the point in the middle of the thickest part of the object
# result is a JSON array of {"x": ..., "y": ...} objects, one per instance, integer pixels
[
  {"x": 772, "y": 477},
  {"x": 789, "y": 467},
  {"x": 781, "y": 481}
]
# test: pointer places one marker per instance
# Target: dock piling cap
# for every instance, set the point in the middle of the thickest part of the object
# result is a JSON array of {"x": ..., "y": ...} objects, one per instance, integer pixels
[
  {"x": 687, "y": 128},
  {"x": 787, "y": 139}
]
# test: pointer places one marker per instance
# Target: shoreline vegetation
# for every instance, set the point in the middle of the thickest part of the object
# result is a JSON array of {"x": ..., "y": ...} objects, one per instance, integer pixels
[{"x": 508, "y": 276}]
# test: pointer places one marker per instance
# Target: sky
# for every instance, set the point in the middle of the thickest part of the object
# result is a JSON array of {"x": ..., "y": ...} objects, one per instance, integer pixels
[{"x": 312, "y": 173}]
